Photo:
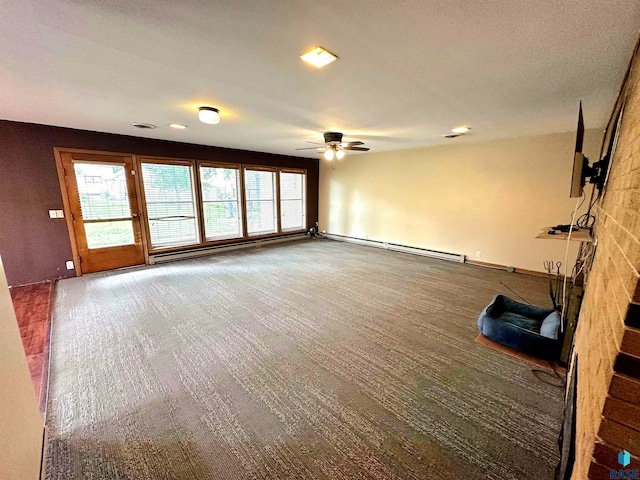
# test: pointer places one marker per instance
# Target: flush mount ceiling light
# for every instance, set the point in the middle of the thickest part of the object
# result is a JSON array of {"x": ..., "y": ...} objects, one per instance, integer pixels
[
  {"x": 179, "y": 126},
  {"x": 460, "y": 130},
  {"x": 143, "y": 126},
  {"x": 318, "y": 57},
  {"x": 209, "y": 115}
]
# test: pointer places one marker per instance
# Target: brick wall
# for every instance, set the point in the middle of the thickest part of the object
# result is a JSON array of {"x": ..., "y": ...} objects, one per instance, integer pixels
[{"x": 607, "y": 339}]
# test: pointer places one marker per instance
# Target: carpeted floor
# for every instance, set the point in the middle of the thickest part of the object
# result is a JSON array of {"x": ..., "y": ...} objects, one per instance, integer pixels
[{"x": 314, "y": 359}]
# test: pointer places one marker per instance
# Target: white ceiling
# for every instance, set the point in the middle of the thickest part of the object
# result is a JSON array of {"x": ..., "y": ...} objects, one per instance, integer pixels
[{"x": 408, "y": 70}]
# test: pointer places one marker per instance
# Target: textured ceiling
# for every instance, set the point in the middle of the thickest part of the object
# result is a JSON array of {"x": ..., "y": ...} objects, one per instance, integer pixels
[{"x": 408, "y": 70}]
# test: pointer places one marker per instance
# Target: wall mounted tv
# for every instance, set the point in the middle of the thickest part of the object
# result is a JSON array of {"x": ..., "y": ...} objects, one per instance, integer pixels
[{"x": 596, "y": 173}]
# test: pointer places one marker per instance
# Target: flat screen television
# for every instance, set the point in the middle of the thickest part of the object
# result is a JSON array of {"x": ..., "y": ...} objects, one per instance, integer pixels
[
  {"x": 597, "y": 173},
  {"x": 578, "y": 178}
]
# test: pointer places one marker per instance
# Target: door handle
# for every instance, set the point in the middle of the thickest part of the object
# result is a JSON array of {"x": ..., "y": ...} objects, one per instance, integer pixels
[{"x": 134, "y": 215}]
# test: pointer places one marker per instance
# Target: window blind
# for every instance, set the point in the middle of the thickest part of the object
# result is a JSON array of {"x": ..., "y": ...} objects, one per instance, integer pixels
[
  {"x": 260, "y": 194},
  {"x": 221, "y": 202},
  {"x": 170, "y": 201},
  {"x": 292, "y": 201},
  {"x": 103, "y": 194}
]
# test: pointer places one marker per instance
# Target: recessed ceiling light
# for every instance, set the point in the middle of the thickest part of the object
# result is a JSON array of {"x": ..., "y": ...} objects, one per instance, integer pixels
[
  {"x": 178, "y": 126},
  {"x": 318, "y": 57},
  {"x": 460, "y": 130},
  {"x": 148, "y": 126},
  {"x": 209, "y": 115}
]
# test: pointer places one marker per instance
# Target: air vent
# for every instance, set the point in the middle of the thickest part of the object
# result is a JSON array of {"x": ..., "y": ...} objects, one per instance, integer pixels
[
  {"x": 147, "y": 126},
  {"x": 451, "y": 135}
]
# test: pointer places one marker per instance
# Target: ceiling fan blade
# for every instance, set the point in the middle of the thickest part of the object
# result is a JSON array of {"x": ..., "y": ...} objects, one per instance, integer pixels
[
  {"x": 315, "y": 143},
  {"x": 351, "y": 144},
  {"x": 308, "y": 148},
  {"x": 359, "y": 149}
]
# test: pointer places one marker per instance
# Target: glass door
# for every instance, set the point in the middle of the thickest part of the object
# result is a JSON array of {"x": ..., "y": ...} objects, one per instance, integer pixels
[{"x": 104, "y": 208}]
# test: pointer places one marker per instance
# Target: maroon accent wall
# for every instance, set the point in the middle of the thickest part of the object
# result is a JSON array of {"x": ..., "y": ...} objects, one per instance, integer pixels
[{"x": 33, "y": 246}]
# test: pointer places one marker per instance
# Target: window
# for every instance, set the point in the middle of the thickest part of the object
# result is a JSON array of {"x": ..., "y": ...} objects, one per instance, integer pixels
[
  {"x": 232, "y": 201},
  {"x": 260, "y": 194},
  {"x": 170, "y": 201},
  {"x": 221, "y": 202},
  {"x": 106, "y": 213},
  {"x": 292, "y": 201}
]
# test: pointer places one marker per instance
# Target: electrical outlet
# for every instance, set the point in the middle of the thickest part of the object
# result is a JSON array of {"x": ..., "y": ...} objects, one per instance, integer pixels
[
  {"x": 70, "y": 265},
  {"x": 52, "y": 214},
  {"x": 478, "y": 254}
]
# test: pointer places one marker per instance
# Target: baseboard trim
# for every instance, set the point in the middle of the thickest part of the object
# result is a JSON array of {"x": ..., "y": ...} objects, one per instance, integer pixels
[
  {"x": 201, "y": 252},
  {"x": 497, "y": 266},
  {"x": 396, "y": 247}
]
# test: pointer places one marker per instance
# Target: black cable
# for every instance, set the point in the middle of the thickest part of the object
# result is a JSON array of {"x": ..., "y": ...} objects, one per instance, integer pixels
[{"x": 587, "y": 220}]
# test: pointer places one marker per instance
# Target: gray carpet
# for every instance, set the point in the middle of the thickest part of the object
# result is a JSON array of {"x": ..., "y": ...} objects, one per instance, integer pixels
[{"x": 313, "y": 359}]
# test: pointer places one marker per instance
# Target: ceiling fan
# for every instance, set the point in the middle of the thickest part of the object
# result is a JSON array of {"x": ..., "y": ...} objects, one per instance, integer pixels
[{"x": 334, "y": 147}]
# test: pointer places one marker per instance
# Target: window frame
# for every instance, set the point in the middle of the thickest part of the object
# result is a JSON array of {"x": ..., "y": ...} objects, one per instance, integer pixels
[
  {"x": 298, "y": 171},
  {"x": 276, "y": 199},
  {"x": 195, "y": 165},
  {"x": 241, "y": 204},
  {"x": 196, "y": 199}
]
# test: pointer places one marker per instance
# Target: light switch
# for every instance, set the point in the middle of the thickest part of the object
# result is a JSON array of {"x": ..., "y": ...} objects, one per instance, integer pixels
[
  {"x": 70, "y": 265},
  {"x": 52, "y": 214},
  {"x": 59, "y": 213}
]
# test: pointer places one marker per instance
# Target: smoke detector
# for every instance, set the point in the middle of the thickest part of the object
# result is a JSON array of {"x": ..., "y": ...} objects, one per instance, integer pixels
[{"x": 143, "y": 126}]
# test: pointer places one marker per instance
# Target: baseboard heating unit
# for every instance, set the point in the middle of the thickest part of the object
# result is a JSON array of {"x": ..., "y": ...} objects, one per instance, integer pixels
[
  {"x": 425, "y": 252},
  {"x": 200, "y": 252}
]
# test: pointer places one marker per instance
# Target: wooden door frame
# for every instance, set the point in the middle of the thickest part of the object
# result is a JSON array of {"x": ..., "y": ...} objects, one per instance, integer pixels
[{"x": 57, "y": 153}]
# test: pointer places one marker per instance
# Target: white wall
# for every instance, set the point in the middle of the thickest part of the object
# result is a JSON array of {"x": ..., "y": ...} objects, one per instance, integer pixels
[
  {"x": 465, "y": 197},
  {"x": 21, "y": 425}
]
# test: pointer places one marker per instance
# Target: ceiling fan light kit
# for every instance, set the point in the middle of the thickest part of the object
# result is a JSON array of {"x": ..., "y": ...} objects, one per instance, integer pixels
[{"x": 334, "y": 148}]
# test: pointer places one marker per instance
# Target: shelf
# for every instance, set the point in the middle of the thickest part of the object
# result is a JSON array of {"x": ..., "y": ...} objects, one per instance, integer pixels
[{"x": 581, "y": 235}]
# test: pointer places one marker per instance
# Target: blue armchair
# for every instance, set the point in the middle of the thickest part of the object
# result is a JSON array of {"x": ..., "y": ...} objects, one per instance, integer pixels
[{"x": 528, "y": 329}]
